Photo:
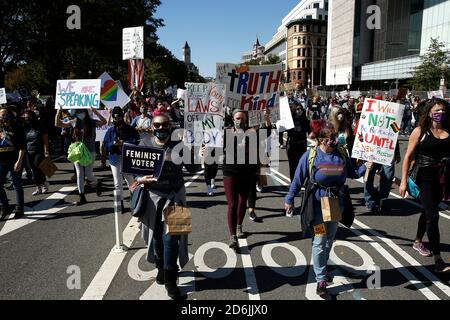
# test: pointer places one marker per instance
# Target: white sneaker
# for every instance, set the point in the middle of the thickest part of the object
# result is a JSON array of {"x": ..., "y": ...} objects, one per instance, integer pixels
[
  {"x": 37, "y": 191},
  {"x": 213, "y": 183},
  {"x": 210, "y": 191},
  {"x": 258, "y": 188},
  {"x": 45, "y": 187}
]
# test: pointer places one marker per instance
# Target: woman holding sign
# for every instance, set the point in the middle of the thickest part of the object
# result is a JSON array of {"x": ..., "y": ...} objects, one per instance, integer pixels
[
  {"x": 84, "y": 131},
  {"x": 325, "y": 168},
  {"x": 163, "y": 249},
  {"x": 429, "y": 146}
]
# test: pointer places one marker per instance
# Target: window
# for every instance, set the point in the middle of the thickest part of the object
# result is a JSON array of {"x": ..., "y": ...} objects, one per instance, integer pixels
[
  {"x": 295, "y": 28},
  {"x": 293, "y": 75},
  {"x": 319, "y": 41},
  {"x": 326, "y": 6},
  {"x": 305, "y": 29},
  {"x": 309, "y": 17},
  {"x": 326, "y": 17},
  {"x": 298, "y": 52},
  {"x": 320, "y": 17},
  {"x": 298, "y": 64},
  {"x": 316, "y": 5},
  {"x": 300, "y": 74}
]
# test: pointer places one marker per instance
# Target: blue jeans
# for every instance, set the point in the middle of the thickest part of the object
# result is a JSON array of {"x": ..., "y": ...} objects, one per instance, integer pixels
[
  {"x": 322, "y": 245},
  {"x": 17, "y": 182},
  {"x": 372, "y": 195},
  {"x": 406, "y": 124},
  {"x": 166, "y": 247}
]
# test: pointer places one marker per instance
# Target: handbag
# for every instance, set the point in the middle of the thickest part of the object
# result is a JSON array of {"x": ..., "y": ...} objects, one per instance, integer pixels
[
  {"x": 411, "y": 184},
  {"x": 79, "y": 153},
  {"x": 331, "y": 210},
  {"x": 178, "y": 220},
  {"x": 138, "y": 202},
  {"x": 48, "y": 167}
]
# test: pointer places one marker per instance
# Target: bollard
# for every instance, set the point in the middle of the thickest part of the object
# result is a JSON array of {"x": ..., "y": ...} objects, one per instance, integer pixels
[{"x": 119, "y": 247}]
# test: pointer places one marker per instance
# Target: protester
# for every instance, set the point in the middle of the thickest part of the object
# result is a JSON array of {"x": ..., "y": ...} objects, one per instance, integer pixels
[
  {"x": 211, "y": 169},
  {"x": 142, "y": 123},
  {"x": 84, "y": 128},
  {"x": 164, "y": 249},
  {"x": 429, "y": 147},
  {"x": 328, "y": 173},
  {"x": 37, "y": 149},
  {"x": 12, "y": 152}
]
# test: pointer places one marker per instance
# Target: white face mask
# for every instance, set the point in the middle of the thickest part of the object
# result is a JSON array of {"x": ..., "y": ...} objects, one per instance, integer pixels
[
  {"x": 340, "y": 117},
  {"x": 81, "y": 116}
]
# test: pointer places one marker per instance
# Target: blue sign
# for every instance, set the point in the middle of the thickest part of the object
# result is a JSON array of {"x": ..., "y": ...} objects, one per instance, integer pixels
[{"x": 142, "y": 161}]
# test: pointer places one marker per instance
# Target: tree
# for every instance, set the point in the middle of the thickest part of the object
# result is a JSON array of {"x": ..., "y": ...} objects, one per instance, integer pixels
[
  {"x": 427, "y": 75},
  {"x": 271, "y": 59}
]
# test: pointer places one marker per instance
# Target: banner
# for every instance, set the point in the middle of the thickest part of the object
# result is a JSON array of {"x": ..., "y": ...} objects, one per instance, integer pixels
[
  {"x": 436, "y": 94},
  {"x": 112, "y": 94},
  {"x": 78, "y": 94},
  {"x": 142, "y": 161},
  {"x": 378, "y": 130},
  {"x": 101, "y": 131},
  {"x": 251, "y": 88},
  {"x": 136, "y": 74},
  {"x": 286, "y": 122},
  {"x": 3, "y": 96},
  {"x": 204, "y": 114},
  {"x": 133, "y": 43}
]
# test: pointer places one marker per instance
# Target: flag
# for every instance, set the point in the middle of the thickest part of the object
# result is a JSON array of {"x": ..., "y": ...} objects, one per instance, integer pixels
[
  {"x": 136, "y": 74},
  {"x": 395, "y": 127}
]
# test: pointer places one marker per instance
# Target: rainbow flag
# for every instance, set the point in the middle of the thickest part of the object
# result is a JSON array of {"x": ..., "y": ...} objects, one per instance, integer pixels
[{"x": 395, "y": 127}]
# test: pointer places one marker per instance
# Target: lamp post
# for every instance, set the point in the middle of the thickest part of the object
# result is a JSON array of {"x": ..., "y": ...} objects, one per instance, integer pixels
[
  {"x": 349, "y": 78},
  {"x": 309, "y": 82},
  {"x": 321, "y": 68},
  {"x": 444, "y": 68},
  {"x": 312, "y": 45}
]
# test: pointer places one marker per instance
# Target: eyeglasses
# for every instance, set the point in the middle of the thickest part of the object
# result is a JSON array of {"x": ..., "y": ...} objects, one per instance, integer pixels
[{"x": 158, "y": 125}]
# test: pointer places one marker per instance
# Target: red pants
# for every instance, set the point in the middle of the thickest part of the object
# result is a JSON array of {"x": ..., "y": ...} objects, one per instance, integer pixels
[{"x": 237, "y": 190}]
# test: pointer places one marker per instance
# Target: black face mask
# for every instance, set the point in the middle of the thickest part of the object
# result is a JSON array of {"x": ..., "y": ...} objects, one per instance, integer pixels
[{"x": 162, "y": 134}]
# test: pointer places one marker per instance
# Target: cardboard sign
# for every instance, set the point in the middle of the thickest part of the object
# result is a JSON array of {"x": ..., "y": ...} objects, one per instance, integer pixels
[
  {"x": 286, "y": 122},
  {"x": 181, "y": 93},
  {"x": 142, "y": 161},
  {"x": 436, "y": 94},
  {"x": 378, "y": 130},
  {"x": 112, "y": 95},
  {"x": 100, "y": 132},
  {"x": 3, "y": 96},
  {"x": 78, "y": 94},
  {"x": 204, "y": 114},
  {"x": 133, "y": 43},
  {"x": 251, "y": 88}
]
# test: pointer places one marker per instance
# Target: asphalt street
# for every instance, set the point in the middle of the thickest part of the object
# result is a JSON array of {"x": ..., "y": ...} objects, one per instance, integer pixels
[{"x": 42, "y": 254}]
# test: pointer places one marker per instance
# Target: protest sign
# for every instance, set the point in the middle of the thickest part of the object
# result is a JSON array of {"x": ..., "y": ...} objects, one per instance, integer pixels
[
  {"x": 142, "y": 161},
  {"x": 378, "y": 130},
  {"x": 78, "y": 94},
  {"x": 181, "y": 93},
  {"x": 3, "y": 96},
  {"x": 133, "y": 43},
  {"x": 111, "y": 94},
  {"x": 101, "y": 131},
  {"x": 204, "y": 114},
  {"x": 436, "y": 94},
  {"x": 286, "y": 122},
  {"x": 251, "y": 88}
]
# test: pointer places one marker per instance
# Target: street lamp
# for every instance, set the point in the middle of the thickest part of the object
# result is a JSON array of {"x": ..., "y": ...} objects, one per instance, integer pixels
[
  {"x": 309, "y": 82},
  {"x": 444, "y": 68},
  {"x": 321, "y": 68},
  {"x": 349, "y": 78},
  {"x": 312, "y": 45}
]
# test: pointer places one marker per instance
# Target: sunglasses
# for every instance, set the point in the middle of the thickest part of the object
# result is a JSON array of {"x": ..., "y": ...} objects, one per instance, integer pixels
[{"x": 158, "y": 125}]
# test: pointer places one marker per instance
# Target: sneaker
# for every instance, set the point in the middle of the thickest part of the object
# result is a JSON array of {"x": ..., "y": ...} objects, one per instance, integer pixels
[
  {"x": 234, "y": 243},
  {"x": 98, "y": 188},
  {"x": 213, "y": 183},
  {"x": 210, "y": 191},
  {"x": 3, "y": 212},
  {"x": 440, "y": 266},
  {"x": 18, "y": 212},
  {"x": 258, "y": 188},
  {"x": 329, "y": 278},
  {"x": 81, "y": 201},
  {"x": 38, "y": 191},
  {"x": 252, "y": 216},
  {"x": 373, "y": 209},
  {"x": 419, "y": 247},
  {"x": 45, "y": 187},
  {"x": 239, "y": 233},
  {"x": 321, "y": 289},
  {"x": 73, "y": 178}
]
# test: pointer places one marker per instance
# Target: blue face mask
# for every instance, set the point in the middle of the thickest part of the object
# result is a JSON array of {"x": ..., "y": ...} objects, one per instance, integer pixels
[{"x": 162, "y": 134}]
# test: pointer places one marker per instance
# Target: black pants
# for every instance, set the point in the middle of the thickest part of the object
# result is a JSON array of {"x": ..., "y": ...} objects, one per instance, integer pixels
[
  {"x": 294, "y": 152},
  {"x": 35, "y": 161},
  {"x": 430, "y": 197},
  {"x": 210, "y": 172}
]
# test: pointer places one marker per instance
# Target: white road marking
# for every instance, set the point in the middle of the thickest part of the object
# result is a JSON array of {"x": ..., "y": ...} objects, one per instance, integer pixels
[
  {"x": 275, "y": 178},
  {"x": 281, "y": 175},
  {"x": 158, "y": 292},
  {"x": 99, "y": 286},
  {"x": 291, "y": 272},
  {"x": 250, "y": 278},
  {"x": 42, "y": 210}
]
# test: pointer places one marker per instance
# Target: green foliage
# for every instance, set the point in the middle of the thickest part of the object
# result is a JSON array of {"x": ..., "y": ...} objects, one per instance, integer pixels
[
  {"x": 271, "y": 59},
  {"x": 427, "y": 75}
]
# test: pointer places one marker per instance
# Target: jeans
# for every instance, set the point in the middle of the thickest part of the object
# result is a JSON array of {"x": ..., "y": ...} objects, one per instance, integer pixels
[
  {"x": 118, "y": 177},
  {"x": 372, "y": 195},
  {"x": 166, "y": 247},
  {"x": 34, "y": 161},
  {"x": 87, "y": 172},
  {"x": 322, "y": 245},
  {"x": 17, "y": 182},
  {"x": 406, "y": 124}
]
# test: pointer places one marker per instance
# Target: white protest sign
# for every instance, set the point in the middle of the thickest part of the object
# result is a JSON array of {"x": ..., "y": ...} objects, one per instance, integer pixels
[
  {"x": 251, "y": 88},
  {"x": 436, "y": 94},
  {"x": 181, "y": 93},
  {"x": 101, "y": 131},
  {"x": 204, "y": 114},
  {"x": 286, "y": 122},
  {"x": 133, "y": 43},
  {"x": 78, "y": 94},
  {"x": 378, "y": 130},
  {"x": 3, "y": 96},
  {"x": 112, "y": 95}
]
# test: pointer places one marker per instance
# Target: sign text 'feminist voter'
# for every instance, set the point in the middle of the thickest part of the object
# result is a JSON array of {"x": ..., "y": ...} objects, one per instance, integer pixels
[
  {"x": 142, "y": 161},
  {"x": 78, "y": 94}
]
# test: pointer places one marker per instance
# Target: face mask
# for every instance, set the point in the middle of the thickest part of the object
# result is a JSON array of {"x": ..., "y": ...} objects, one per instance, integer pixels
[
  {"x": 439, "y": 117},
  {"x": 81, "y": 116},
  {"x": 142, "y": 110},
  {"x": 239, "y": 124},
  {"x": 298, "y": 113},
  {"x": 340, "y": 117},
  {"x": 333, "y": 142},
  {"x": 162, "y": 134},
  {"x": 36, "y": 112}
]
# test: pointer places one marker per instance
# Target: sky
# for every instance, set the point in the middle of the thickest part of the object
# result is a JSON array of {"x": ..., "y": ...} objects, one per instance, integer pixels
[{"x": 219, "y": 30}]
